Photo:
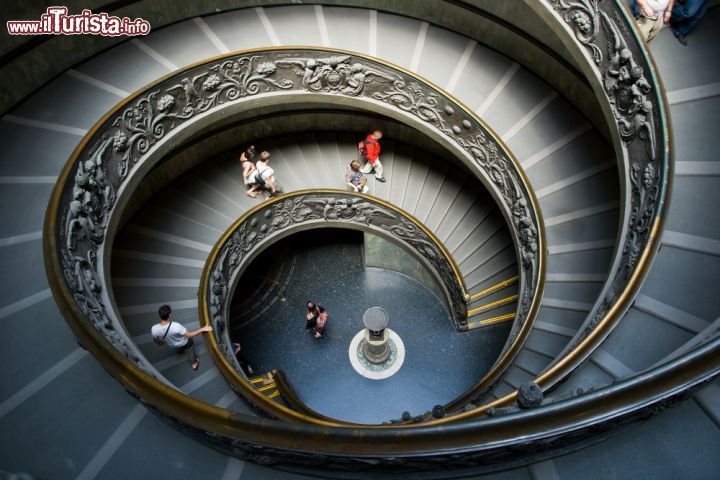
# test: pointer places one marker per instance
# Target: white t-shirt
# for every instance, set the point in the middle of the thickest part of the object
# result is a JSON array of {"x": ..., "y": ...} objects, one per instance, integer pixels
[
  {"x": 658, "y": 6},
  {"x": 266, "y": 172},
  {"x": 176, "y": 335}
]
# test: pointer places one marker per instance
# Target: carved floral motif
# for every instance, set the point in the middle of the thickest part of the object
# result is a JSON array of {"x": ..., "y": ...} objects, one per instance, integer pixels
[{"x": 629, "y": 95}]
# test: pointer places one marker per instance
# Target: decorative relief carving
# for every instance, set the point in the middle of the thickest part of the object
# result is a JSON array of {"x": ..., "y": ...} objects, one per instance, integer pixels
[
  {"x": 582, "y": 16},
  {"x": 500, "y": 171},
  {"x": 600, "y": 27},
  {"x": 87, "y": 201},
  {"x": 335, "y": 74}
]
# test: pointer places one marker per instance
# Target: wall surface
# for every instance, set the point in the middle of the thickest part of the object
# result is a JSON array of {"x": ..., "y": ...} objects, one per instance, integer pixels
[{"x": 382, "y": 253}]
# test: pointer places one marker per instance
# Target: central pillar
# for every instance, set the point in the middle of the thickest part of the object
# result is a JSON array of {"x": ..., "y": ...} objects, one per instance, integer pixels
[{"x": 375, "y": 347}]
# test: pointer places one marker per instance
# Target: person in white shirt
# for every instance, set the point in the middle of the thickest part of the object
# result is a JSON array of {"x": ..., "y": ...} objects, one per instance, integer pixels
[
  {"x": 177, "y": 336},
  {"x": 264, "y": 177},
  {"x": 652, "y": 16}
]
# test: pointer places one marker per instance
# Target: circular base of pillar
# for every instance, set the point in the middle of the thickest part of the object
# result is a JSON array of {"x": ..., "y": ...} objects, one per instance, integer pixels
[{"x": 377, "y": 371}]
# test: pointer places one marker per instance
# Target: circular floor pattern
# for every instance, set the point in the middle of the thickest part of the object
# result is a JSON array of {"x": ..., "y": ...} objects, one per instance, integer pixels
[{"x": 377, "y": 371}]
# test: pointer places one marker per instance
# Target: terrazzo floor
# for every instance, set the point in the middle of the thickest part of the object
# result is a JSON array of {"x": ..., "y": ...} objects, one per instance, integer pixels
[{"x": 440, "y": 363}]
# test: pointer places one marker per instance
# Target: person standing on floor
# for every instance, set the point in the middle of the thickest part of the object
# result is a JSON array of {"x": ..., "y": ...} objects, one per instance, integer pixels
[
  {"x": 652, "y": 16},
  {"x": 369, "y": 150},
  {"x": 316, "y": 318},
  {"x": 355, "y": 179},
  {"x": 177, "y": 336},
  {"x": 686, "y": 14}
]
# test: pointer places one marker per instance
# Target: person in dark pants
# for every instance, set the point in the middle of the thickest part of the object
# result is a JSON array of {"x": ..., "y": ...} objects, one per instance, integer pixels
[
  {"x": 686, "y": 14},
  {"x": 316, "y": 318},
  {"x": 310, "y": 316},
  {"x": 177, "y": 336}
]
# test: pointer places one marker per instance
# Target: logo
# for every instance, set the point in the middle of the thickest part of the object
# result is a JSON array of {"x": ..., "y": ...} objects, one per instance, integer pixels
[{"x": 56, "y": 21}]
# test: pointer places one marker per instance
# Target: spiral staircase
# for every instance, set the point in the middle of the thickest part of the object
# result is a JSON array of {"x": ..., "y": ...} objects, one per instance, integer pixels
[{"x": 63, "y": 416}]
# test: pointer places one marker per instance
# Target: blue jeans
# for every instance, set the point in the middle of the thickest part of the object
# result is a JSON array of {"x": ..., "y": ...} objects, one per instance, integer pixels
[{"x": 685, "y": 16}]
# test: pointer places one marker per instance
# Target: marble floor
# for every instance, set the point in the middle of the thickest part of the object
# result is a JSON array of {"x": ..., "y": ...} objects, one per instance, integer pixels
[{"x": 440, "y": 362}]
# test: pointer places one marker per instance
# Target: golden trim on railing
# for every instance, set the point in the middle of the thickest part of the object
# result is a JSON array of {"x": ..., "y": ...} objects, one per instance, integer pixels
[
  {"x": 492, "y": 305},
  {"x": 494, "y": 320},
  {"x": 233, "y": 425},
  {"x": 493, "y": 289}
]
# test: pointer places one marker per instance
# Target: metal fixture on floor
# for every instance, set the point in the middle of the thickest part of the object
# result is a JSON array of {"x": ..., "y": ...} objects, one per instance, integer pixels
[{"x": 375, "y": 345}]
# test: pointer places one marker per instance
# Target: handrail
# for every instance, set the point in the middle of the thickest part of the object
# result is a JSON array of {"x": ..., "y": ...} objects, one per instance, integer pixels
[
  {"x": 279, "y": 217},
  {"x": 492, "y": 305},
  {"x": 493, "y": 289},
  {"x": 641, "y": 111}
]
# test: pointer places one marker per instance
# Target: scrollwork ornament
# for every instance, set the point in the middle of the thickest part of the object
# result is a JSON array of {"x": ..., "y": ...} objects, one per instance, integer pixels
[
  {"x": 582, "y": 16},
  {"x": 622, "y": 73}
]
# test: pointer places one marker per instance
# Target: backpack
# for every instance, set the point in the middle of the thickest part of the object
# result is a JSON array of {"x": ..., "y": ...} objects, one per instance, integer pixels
[
  {"x": 362, "y": 148},
  {"x": 259, "y": 180}
]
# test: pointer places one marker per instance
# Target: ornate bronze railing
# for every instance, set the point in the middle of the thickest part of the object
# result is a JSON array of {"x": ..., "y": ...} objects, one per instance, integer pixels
[
  {"x": 620, "y": 70},
  {"x": 622, "y": 73}
]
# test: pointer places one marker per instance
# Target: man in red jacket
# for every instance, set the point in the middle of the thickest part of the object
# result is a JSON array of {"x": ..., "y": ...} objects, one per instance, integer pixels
[{"x": 370, "y": 152}]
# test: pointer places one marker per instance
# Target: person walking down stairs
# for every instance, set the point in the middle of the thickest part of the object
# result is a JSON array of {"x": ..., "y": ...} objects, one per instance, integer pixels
[
  {"x": 177, "y": 336},
  {"x": 369, "y": 150}
]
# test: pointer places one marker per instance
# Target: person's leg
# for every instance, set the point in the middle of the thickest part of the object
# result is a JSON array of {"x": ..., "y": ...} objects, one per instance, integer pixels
[
  {"x": 684, "y": 27},
  {"x": 688, "y": 9},
  {"x": 367, "y": 168},
  {"x": 365, "y": 189},
  {"x": 655, "y": 28},
  {"x": 192, "y": 354},
  {"x": 378, "y": 169},
  {"x": 645, "y": 25}
]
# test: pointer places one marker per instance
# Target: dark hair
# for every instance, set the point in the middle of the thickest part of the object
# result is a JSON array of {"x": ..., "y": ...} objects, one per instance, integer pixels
[
  {"x": 164, "y": 312},
  {"x": 308, "y": 303}
]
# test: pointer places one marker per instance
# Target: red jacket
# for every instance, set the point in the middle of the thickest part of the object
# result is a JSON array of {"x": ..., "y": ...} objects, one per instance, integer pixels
[{"x": 372, "y": 149}]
